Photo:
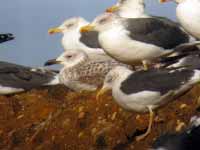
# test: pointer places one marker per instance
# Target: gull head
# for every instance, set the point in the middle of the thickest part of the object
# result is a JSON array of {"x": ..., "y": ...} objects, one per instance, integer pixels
[
  {"x": 113, "y": 77},
  {"x": 101, "y": 23},
  {"x": 127, "y": 6},
  {"x": 69, "y": 58},
  {"x": 70, "y": 24}
]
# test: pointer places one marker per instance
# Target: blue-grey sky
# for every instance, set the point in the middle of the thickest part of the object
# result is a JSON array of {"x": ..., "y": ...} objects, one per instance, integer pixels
[{"x": 29, "y": 21}]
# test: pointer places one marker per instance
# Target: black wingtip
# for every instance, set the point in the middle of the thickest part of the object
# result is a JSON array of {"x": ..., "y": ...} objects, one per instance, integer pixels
[{"x": 6, "y": 37}]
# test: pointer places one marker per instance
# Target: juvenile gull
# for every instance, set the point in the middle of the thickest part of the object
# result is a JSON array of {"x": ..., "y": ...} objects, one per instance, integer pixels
[
  {"x": 188, "y": 14},
  {"x": 16, "y": 78},
  {"x": 73, "y": 39},
  {"x": 81, "y": 73},
  {"x": 144, "y": 91},
  {"x": 6, "y": 37},
  {"x": 136, "y": 40},
  {"x": 186, "y": 140}
]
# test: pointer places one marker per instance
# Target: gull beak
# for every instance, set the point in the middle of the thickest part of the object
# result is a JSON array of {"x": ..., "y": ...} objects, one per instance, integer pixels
[
  {"x": 101, "y": 92},
  {"x": 112, "y": 9},
  {"x": 163, "y": 1},
  {"x": 87, "y": 28},
  {"x": 54, "y": 30},
  {"x": 51, "y": 62}
]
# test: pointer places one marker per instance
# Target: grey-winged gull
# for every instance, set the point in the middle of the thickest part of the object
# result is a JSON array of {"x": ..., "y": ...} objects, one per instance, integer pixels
[
  {"x": 81, "y": 73},
  {"x": 185, "y": 140},
  {"x": 136, "y": 40},
  {"x": 17, "y": 78},
  {"x": 144, "y": 91},
  {"x": 73, "y": 39},
  {"x": 135, "y": 9},
  {"x": 6, "y": 37},
  {"x": 188, "y": 14}
]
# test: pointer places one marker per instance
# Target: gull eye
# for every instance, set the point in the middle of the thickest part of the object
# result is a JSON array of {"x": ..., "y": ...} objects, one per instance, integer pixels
[
  {"x": 69, "y": 25},
  {"x": 69, "y": 56},
  {"x": 103, "y": 20}
]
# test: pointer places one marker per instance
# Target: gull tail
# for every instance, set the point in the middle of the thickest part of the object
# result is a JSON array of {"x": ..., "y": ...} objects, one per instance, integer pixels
[
  {"x": 187, "y": 54},
  {"x": 188, "y": 47}
]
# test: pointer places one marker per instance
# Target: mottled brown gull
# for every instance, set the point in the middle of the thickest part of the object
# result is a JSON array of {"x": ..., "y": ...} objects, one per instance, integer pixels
[{"x": 81, "y": 73}]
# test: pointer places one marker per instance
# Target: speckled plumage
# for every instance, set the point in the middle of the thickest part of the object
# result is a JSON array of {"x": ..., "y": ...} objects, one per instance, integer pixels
[{"x": 88, "y": 75}]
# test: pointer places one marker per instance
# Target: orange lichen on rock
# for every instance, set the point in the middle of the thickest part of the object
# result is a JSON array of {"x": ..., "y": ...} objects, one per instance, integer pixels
[{"x": 57, "y": 118}]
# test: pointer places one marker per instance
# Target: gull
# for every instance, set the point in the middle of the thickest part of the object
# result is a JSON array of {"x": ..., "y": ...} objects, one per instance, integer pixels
[
  {"x": 81, "y": 73},
  {"x": 73, "y": 39},
  {"x": 191, "y": 61},
  {"x": 144, "y": 91},
  {"x": 6, "y": 37},
  {"x": 17, "y": 78},
  {"x": 138, "y": 40},
  {"x": 188, "y": 14}
]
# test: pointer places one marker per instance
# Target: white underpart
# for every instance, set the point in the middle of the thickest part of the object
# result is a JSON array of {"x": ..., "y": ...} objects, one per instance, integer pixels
[
  {"x": 138, "y": 101},
  {"x": 188, "y": 14},
  {"x": 132, "y": 9},
  {"x": 75, "y": 85},
  {"x": 9, "y": 90},
  {"x": 117, "y": 43}
]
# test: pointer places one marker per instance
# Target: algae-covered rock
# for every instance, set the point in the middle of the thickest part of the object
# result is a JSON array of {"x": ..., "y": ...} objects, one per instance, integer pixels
[{"x": 57, "y": 118}]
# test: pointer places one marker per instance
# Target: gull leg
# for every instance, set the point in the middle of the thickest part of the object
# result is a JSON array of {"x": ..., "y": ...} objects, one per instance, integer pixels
[
  {"x": 145, "y": 64},
  {"x": 151, "y": 115}
]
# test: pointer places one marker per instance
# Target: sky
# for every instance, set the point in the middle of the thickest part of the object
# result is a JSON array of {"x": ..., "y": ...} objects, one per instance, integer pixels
[{"x": 29, "y": 21}]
